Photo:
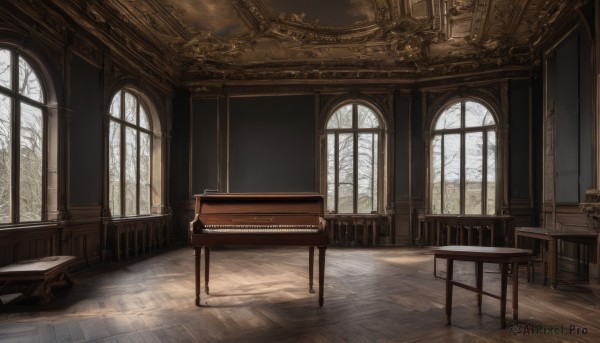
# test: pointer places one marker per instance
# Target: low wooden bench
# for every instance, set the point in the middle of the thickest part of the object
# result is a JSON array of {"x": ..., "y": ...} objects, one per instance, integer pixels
[{"x": 35, "y": 277}]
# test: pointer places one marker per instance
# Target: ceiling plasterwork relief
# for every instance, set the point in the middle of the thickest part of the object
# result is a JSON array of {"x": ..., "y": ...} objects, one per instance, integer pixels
[
  {"x": 335, "y": 39},
  {"x": 291, "y": 37}
]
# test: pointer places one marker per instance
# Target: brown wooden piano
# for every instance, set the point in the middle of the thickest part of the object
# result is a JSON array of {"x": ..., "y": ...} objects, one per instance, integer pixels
[{"x": 269, "y": 219}]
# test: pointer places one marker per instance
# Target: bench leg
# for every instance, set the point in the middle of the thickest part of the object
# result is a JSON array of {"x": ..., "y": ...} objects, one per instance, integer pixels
[{"x": 43, "y": 289}]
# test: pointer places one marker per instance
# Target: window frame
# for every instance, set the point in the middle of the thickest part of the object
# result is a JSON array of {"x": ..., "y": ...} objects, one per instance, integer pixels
[
  {"x": 17, "y": 100},
  {"x": 380, "y": 157},
  {"x": 463, "y": 130},
  {"x": 124, "y": 125}
]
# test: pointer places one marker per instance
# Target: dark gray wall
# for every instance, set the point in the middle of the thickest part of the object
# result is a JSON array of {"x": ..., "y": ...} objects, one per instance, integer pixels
[
  {"x": 537, "y": 109},
  {"x": 402, "y": 145},
  {"x": 204, "y": 149},
  {"x": 418, "y": 150},
  {"x": 180, "y": 148},
  {"x": 85, "y": 134},
  {"x": 519, "y": 139},
  {"x": 569, "y": 95},
  {"x": 586, "y": 113},
  {"x": 272, "y": 144}
]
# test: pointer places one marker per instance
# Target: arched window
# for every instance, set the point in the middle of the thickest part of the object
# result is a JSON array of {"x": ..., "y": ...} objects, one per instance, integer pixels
[
  {"x": 129, "y": 156},
  {"x": 463, "y": 160},
  {"x": 354, "y": 144},
  {"x": 22, "y": 140}
]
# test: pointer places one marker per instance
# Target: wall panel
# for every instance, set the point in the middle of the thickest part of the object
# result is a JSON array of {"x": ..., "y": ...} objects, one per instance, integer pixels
[
  {"x": 272, "y": 144},
  {"x": 85, "y": 146}
]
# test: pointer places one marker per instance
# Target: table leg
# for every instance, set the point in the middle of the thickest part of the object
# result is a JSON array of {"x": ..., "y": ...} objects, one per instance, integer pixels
[
  {"x": 515, "y": 289},
  {"x": 479, "y": 271},
  {"x": 552, "y": 262},
  {"x": 503, "y": 284},
  {"x": 449, "y": 277}
]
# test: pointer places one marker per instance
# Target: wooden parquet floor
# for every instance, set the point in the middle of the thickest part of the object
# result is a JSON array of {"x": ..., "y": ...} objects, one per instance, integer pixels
[{"x": 261, "y": 295}]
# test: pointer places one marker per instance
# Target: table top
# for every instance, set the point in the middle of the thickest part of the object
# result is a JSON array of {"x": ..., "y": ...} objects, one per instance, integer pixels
[
  {"x": 477, "y": 251},
  {"x": 555, "y": 232},
  {"x": 39, "y": 266}
]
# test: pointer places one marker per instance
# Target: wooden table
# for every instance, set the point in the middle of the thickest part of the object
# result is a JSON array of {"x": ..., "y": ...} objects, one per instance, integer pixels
[
  {"x": 505, "y": 257},
  {"x": 36, "y": 277},
  {"x": 552, "y": 236}
]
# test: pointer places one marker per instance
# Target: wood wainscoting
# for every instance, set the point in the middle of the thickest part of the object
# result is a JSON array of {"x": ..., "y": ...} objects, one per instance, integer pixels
[
  {"x": 359, "y": 229},
  {"x": 27, "y": 242},
  {"x": 132, "y": 236}
]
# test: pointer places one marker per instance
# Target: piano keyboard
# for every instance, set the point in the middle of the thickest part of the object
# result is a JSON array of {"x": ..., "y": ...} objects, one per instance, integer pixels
[{"x": 213, "y": 228}]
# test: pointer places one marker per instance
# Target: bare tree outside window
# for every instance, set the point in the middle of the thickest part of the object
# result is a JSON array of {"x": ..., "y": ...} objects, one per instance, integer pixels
[
  {"x": 31, "y": 158},
  {"x": 21, "y": 134},
  {"x": 353, "y": 148},
  {"x": 5, "y": 68},
  {"x": 129, "y": 156},
  {"x": 463, "y": 160},
  {"x": 114, "y": 168},
  {"x": 5, "y": 158}
]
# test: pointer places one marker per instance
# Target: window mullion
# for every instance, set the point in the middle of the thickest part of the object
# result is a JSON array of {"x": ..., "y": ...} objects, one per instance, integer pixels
[
  {"x": 355, "y": 158},
  {"x": 137, "y": 173},
  {"x": 442, "y": 172},
  {"x": 122, "y": 149},
  {"x": 336, "y": 181},
  {"x": 373, "y": 169},
  {"x": 484, "y": 182},
  {"x": 15, "y": 161},
  {"x": 44, "y": 212},
  {"x": 15, "y": 141},
  {"x": 462, "y": 173}
]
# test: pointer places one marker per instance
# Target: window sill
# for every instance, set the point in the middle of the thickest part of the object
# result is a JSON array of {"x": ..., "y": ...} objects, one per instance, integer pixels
[
  {"x": 28, "y": 226},
  {"x": 136, "y": 218}
]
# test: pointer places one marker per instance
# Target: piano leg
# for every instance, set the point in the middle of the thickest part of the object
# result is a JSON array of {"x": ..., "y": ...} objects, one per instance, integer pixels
[
  {"x": 321, "y": 273},
  {"x": 311, "y": 262},
  {"x": 206, "y": 267},
  {"x": 197, "y": 252}
]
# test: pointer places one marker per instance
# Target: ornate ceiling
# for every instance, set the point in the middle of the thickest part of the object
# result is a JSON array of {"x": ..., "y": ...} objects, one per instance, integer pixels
[{"x": 249, "y": 40}]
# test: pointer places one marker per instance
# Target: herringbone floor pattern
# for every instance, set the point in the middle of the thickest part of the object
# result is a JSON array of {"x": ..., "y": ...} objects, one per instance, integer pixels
[{"x": 261, "y": 295}]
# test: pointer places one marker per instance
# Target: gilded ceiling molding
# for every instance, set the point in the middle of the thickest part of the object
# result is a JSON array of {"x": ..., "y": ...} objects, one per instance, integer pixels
[
  {"x": 254, "y": 13},
  {"x": 401, "y": 39}
]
